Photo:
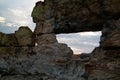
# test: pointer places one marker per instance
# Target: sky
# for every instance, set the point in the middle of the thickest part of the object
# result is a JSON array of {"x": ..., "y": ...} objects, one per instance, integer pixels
[{"x": 16, "y": 13}]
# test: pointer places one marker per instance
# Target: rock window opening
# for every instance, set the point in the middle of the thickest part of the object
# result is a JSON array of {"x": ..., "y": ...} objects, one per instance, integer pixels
[
  {"x": 36, "y": 44},
  {"x": 83, "y": 42}
]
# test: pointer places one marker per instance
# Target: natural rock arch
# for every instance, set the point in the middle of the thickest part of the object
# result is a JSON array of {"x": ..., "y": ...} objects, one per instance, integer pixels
[
  {"x": 52, "y": 60},
  {"x": 69, "y": 16}
]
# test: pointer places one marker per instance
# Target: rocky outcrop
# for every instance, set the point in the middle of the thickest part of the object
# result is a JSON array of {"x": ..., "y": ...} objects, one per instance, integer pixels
[
  {"x": 105, "y": 60},
  {"x": 21, "y": 59},
  {"x": 8, "y": 40},
  {"x": 70, "y": 16},
  {"x": 48, "y": 60},
  {"x": 42, "y": 62},
  {"x": 111, "y": 34}
]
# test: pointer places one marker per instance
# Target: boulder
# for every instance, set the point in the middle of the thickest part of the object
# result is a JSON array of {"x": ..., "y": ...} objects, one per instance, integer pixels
[
  {"x": 25, "y": 36},
  {"x": 8, "y": 40}
]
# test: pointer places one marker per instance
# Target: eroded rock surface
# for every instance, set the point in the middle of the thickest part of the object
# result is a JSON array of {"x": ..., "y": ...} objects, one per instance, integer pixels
[
  {"x": 53, "y": 60},
  {"x": 8, "y": 40},
  {"x": 21, "y": 59},
  {"x": 74, "y": 15},
  {"x": 25, "y": 36},
  {"x": 46, "y": 39},
  {"x": 105, "y": 60}
]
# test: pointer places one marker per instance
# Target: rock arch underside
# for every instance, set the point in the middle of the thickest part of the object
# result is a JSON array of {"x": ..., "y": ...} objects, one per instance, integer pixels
[{"x": 20, "y": 59}]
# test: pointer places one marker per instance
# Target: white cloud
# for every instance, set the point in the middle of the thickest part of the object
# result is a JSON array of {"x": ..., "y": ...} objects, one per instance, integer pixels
[
  {"x": 18, "y": 12},
  {"x": 42, "y": 0},
  {"x": 83, "y": 42},
  {"x": 9, "y": 24},
  {"x": 21, "y": 22},
  {"x": 77, "y": 50},
  {"x": 90, "y": 33},
  {"x": 2, "y": 19}
]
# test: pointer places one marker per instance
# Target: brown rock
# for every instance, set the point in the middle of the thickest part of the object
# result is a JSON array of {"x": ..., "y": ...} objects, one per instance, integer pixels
[
  {"x": 111, "y": 34},
  {"x": 113, "y": 40},
  {"x": 25, "y": 36},
  {"x": 76, "y": 15},
  {"x": 105, "y": 63},
  {"x": 8, "y": 40},
  {"x": 46, "y": 39},
  {"x": 46, "y": 26}
]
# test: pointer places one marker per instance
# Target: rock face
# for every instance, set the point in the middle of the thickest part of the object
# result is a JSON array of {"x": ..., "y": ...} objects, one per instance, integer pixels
[
  {"x": 111, "y": 34},
  {"x": 43, "y": 62},
  {"x": 74, "y": 15},
  {"x": 21, "y": 59},
  {"x": 8, "y": 40},
  {"x": 105, "y": 60},
  {"x": 49, "y": 60},
  {"x": 46, "y": 39}
]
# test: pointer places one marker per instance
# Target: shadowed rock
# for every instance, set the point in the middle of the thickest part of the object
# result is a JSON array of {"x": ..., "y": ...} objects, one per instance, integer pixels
[
  {"x": 75, "y": 15},
  {"x": 8, "y": 40},
  {"x": 111, "y": 34},
  {"x": 51, "y": 60}
]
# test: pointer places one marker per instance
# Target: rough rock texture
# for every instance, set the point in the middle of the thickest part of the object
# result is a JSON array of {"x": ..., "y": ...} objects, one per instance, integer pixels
[
  {"x": 46, "y": 26},
  {"x": 49, "y": 61},
  {"x": 24, "y": 36},
  {"x": 20, "y": 59},
  {"x": 111, "y": 34},
  {"x": 74, "y": 15},
  {"x": 8, "y": 40},
  {"x": 105, "y": 60},
  {"x": 105, "y": 64},
  {"x": 46, "y": 39}
]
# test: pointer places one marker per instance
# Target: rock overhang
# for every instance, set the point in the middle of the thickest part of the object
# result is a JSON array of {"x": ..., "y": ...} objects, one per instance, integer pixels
[{"x": 70, "y": 16}]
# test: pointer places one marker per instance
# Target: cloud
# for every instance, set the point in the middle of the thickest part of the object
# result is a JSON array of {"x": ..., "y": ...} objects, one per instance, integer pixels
[
  {"x": 83, "y": 42},
  {"x": 89, "y": 33},
  {"x": 18, "y": 12},
  {"x": 9, "y": 24},
  {"x": 2, "y": 19}
]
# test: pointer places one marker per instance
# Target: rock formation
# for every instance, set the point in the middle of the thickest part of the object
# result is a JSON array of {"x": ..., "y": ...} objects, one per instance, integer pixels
[
  {"x": 24, "y": 36},
  {"x": 21, "y": 59},
  {"x": 68, "y": 16},
  {"x": 105, "y": 59}
]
